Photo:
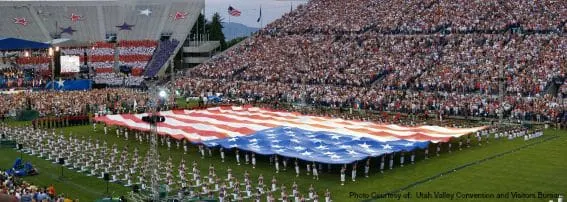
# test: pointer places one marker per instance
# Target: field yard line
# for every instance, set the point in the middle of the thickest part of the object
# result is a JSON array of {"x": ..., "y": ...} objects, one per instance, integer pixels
[
  {"x": 69, "y": 182},
  {"x": 55, "y": 177},
  {"x": 465, "y": 166}
]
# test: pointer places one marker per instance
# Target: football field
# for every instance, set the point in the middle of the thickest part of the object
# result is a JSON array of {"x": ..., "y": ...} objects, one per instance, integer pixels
[{"x": 517, "y": 167}]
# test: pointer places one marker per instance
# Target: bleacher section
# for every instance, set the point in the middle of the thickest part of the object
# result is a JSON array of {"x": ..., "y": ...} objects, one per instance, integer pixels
[
  {"x": 161, "y": 56},
  {"x": 135, "y": 54}
]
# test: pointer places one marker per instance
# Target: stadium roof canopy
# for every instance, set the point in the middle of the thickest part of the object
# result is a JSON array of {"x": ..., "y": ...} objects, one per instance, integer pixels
[
  {"x": 7, "y": 44},
  {"x": 95, "y": 20}
]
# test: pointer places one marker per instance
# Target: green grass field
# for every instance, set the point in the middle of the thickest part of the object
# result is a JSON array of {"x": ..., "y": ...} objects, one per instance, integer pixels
[{"x": 540, "y": 167}]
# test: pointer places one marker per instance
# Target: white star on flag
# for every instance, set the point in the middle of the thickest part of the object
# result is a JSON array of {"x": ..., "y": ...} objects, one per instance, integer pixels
[
  {"x": 345, "y": 146},
  {"x": 253, "y": 140},
  {"x": 295, "y": 140},
  {"x": 299, "y": 148},
  {"x": 329, "y": 153},
  {"x": 409, "y": 144},
  {"x": 146, "y": 12},
  {"x": 234, "y": 145},
  {"x": 354, "y": 138},
  {"x": 322, "y": 147},
  {"x": 306, "y": 153},
  {"x": 275, "y": 141},
  {"x": 316, "y": 140},
  {"x": 280, "y": 150},
  {"x": 386, "y": 147},
  {"x": 254, "y": 146},
  {"x": 61, "y": 83},
  {"x": 232, "y": 139},
  {"x": 335, "y": 137},
  {"x": 311, "y": 136},
  {"x": 352, "y": 152},
  {"x": 335, "y": 156},
  {"x": 276, "y": 146},
  {"x": 365, "y": 146}
]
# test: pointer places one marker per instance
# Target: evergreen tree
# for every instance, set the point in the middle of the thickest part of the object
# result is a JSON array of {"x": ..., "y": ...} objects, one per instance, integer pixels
[
  {"x": 198, "y": 27},
  {"x": 215, "y": 30}
]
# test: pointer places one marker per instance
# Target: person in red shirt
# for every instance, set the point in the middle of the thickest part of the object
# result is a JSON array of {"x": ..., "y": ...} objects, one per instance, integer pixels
[{"x": 51, "y": 191}]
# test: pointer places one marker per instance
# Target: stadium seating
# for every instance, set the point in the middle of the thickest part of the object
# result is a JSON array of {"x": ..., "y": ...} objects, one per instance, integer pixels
[
  {"x": 335, "y": 16},
  {"x": 135, "y": 54},
  {"x": 161, "y": 56},
  {"x": 437, "y": 58}
]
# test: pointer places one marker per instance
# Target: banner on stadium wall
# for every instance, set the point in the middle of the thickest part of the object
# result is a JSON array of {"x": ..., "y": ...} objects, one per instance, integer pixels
[{"x": 70, "y": 85}]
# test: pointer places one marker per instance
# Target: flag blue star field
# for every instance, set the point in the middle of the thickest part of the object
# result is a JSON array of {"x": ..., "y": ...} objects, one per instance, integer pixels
[
  {"x": 291, "y": 134},
  {"x": 70, "y": 85},
  {"x": 324, "y": 147}
]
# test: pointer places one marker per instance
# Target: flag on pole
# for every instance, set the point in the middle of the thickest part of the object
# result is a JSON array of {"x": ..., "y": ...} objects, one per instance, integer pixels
[
  {"x": 260, "y": 16},
  {"x": 232, "y": 11}
]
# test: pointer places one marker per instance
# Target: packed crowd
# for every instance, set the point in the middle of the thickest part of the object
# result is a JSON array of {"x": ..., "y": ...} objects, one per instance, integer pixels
[
  {"x": 364, "y": 54},
  {"x": 74, "y": 103},
  {"x": 14, "y": 189},
  {"x": 452, "y": 74},
  {"x": 22, "y": 69},
  {"x": 425, "y": 16},
  {"x": 135, "y": 54},
  {"x": 115, "y": 79}
]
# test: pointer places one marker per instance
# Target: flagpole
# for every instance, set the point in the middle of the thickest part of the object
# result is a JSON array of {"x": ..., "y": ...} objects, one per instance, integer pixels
[{"x": 261, "y": 18}]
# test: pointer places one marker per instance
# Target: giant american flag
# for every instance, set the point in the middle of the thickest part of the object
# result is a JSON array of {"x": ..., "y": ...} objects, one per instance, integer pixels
[{"x": 291, "y": 134}]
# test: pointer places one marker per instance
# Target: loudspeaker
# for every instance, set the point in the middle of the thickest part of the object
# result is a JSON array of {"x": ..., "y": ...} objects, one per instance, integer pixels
[
  {"x": 61, "y": 161},
  {"x": 57, "y": 63},
  {"x": 19, "y": 146},
  {"x": 164, "y": 37},
  {"x": 86, "y": 58},
  {"x": 111, "y": 38},
  {"x": 135, "y": 188},
  {"x": 125, "y": 69},
  {"x": 106, "y": 177}
]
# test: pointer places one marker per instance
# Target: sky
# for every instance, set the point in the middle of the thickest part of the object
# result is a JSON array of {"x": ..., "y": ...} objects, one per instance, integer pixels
[{"x": 271, "y": 10}]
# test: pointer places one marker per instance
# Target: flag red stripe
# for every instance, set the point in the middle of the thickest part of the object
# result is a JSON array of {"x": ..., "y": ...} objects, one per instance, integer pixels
[
  {"x": 187, "y": 129},
  {"x": 242, "y": 130}
]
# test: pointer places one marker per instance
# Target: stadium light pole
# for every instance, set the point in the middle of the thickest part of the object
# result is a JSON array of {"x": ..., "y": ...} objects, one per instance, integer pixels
[{"x": 153, "y": 119}]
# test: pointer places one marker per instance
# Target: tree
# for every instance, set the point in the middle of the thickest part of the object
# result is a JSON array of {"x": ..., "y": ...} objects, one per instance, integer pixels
[
  {"x": 198, "y": 27},
  {"x": 215, "y": 30}
]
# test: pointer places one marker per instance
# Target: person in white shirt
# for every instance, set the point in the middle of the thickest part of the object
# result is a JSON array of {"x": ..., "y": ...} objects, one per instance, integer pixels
[
  {"x": 296, "y": 168},
  {"x": 353, "y": 172},
  {"x": 382, "y": 163},
  {"x": 315, "y": 172},
  {"x": 343, "y": 170},
  {"x": 412, "y": 159},
  {"x": 237, "y": 157},
  {"x": 277, "y": 164},
  {"x": 222, "y": 154}
]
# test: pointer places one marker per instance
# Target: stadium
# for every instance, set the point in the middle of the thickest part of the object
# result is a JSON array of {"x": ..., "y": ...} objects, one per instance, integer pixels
[{"x": 331, "y": 100}]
